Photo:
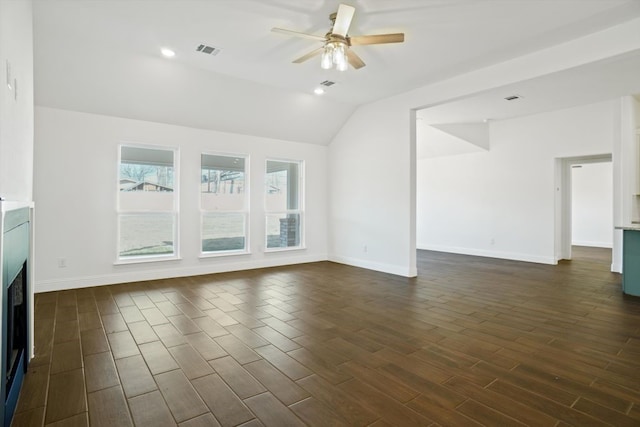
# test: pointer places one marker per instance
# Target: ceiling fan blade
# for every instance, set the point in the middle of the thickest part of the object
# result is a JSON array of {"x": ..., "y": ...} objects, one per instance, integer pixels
[
  {"x": 309, "y": 55},
  {"x": 343, "y": 20},
  {"x": 354, "y": 59},
  {"x": 377, "y": 39},
  {"x": 298, "y": 34}
]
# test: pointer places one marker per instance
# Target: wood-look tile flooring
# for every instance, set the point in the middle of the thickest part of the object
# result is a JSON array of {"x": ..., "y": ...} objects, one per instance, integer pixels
[{"x": 471, "y": 341}]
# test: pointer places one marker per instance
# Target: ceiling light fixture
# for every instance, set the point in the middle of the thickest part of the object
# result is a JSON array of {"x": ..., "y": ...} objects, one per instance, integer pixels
[
  {"x": 335, "y": 54},
  {"x": 318, "y": 91},
  {"x": 336, "y": 49},
  {"x": 168, "y": 53}
]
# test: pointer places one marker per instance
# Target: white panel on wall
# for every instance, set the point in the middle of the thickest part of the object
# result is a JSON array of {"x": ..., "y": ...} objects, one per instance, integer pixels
[{"x": 592, "y": 205}]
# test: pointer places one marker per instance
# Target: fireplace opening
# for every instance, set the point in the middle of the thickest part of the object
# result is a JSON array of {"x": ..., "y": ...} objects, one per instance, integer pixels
[
  {"x": 16, "y": 344},
  {"x": 16, "y": 306}
]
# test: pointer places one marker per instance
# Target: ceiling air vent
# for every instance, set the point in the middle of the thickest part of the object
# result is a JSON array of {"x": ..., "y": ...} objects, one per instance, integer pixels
[
  {"x": 209, "y": 50},
  {"x": 513, "y": 97},
  {"x": 327, "y": 83}
]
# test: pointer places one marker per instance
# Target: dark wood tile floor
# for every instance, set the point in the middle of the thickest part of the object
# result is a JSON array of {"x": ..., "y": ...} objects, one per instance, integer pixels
[{"x": 472, "y": 341}]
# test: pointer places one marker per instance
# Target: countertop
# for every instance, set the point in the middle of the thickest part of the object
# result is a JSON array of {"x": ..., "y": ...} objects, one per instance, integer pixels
[{"x": 632, "y": 227}]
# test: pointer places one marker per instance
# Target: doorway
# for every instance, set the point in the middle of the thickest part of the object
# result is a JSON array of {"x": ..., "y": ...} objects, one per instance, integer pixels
[{"x": 584, "y": 204}]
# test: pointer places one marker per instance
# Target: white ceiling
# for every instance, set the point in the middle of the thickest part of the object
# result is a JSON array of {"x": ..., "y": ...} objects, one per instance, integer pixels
[
  {"x": 118, "y": 42},
  {"x": 594, "y": 82}
]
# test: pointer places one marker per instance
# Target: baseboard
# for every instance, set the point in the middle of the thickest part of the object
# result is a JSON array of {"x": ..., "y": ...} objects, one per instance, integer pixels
[
  {"x": 514, "y": 256},
  {"x": 376, "y": 266},
  {"x": 167, "y": 273},
  {"x": 591, "y": 244}
]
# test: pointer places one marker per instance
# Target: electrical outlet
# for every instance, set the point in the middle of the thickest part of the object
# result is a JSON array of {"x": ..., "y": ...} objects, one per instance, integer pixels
[
  {"x": 493, "y": 241},
  {"x": 365, "y": 249},
  {"x": 62, "y": 262}
]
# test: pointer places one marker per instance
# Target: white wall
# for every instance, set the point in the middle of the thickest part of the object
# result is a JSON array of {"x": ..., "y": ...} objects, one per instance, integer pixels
[
  {"x": 16, "y": 112},
  {"x": 371, "y": 197},
  {"x": 625, "y": 172},
  {"x": 501, "y": 203},
  {"x": 592, "y": 205},
  {"x": 75, "y": 192},
  {"x": 377, "y": 141}
]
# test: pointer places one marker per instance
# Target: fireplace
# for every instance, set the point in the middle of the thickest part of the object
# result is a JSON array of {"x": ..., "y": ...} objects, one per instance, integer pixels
[{"x": 15, "y": 307}]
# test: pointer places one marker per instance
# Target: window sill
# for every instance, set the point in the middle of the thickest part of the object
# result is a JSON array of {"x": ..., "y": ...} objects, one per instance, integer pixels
[
  {"x": 292, "y": 248},
  {"x": 146, "y": 259},
  {"x": 204, "y": 255}
]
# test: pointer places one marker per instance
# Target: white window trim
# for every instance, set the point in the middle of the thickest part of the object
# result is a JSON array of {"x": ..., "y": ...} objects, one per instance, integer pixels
[
  {"x": 176, "y": 208},
  {"x": 246, "y": 212},
  {"x": 300, "y": 211}
]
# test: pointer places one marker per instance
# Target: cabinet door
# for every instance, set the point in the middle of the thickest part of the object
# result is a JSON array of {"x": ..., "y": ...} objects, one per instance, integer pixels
[{"x": 631, "y": 262}]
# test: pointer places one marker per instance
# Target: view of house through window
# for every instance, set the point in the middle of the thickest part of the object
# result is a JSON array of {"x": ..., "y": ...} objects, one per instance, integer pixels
[
  {"x": 146, "y": 202},
  {"x": 223, "y": 204},
  {"x": 283, "y": 204}
]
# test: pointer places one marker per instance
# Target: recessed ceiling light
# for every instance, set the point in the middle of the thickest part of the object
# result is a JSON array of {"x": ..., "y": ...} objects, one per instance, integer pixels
[
  {"x": 167, "y": 52},
  {"x": 318, "y": 91}
]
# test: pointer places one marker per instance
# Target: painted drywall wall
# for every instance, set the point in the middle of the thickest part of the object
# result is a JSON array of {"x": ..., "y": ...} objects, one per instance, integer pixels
[
  {"x": 625, "y": 171},
  {"x": 592, "y": 205},
  {"x": 16, "y": 100},
  {"x": 75, "y": 191},
  {"x": 501, "y": 203},
  {"x": 377, "y": 142},
  {"x": 632, "y": 140},
  {"x": 370, "y": 195}
]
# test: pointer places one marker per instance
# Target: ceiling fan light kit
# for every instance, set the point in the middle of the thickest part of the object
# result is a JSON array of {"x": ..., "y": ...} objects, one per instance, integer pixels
[{"x": 336, "y": 51}]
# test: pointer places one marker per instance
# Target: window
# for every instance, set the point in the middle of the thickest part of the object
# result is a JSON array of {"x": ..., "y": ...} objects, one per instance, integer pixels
[
  {"x": 147, "y": 203},
  {"x": 284, "y": 204},
  {"x": 223, "y": 202}
]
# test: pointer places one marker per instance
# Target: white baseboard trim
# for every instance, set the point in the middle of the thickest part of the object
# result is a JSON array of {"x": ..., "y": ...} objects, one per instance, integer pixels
[
  {"x": 491, "y": 254},
  {"x": 616, "y": 267},
  {"x": 591, "y": 244},
  {"x": 167, "y": 273},
  {"x": 376, "y": 266}
]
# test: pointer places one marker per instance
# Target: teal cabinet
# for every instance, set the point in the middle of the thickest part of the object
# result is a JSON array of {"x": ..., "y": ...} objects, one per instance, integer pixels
[{"x": 631, "y": 262}]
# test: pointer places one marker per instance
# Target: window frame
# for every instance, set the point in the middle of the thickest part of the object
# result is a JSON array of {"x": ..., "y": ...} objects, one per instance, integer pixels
[
  {"x": 175, "y": 212},
  {"x": 245, "y": 212},
  {"x": 300, "y": 211}
]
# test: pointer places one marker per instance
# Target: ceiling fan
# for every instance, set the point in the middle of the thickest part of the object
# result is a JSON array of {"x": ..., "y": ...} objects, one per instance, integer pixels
[{"x": 337, "y": 43}]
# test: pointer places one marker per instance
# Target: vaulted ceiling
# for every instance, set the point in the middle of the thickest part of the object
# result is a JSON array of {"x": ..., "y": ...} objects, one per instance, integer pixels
[{"x": 104, "y": 56}]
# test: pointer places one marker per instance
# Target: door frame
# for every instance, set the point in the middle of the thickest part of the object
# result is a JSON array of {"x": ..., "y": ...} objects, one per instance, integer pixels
[{"x": 563, "y": 200}]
